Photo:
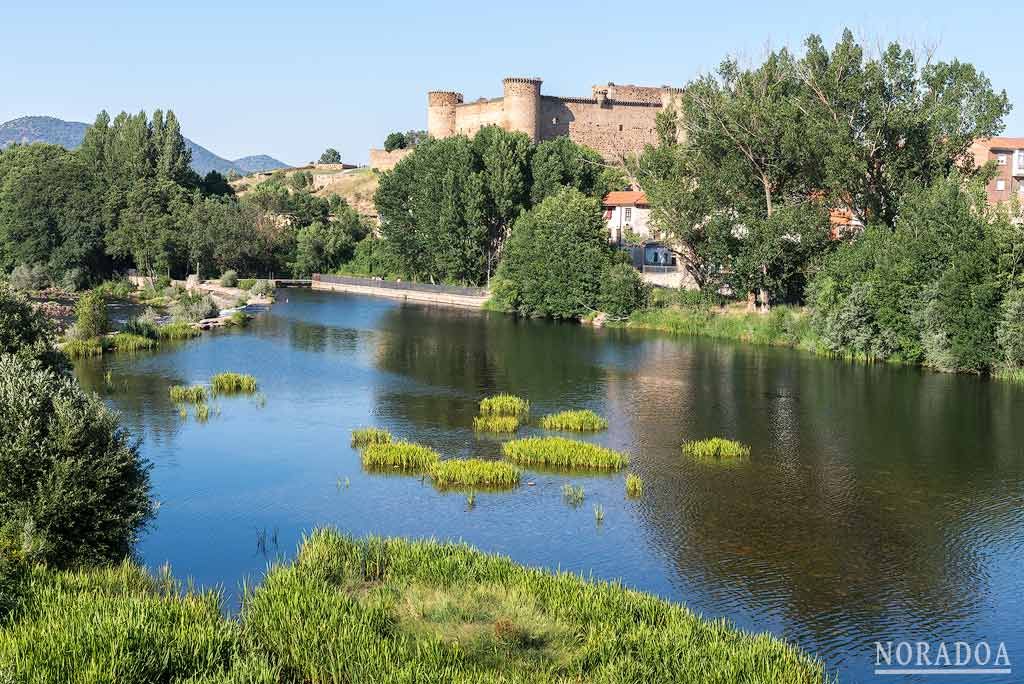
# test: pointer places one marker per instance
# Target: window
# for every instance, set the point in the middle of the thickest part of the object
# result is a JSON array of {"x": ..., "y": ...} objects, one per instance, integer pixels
[
  {"x": 1000, "y": 185},
  {"x": 620, "y": 127},
  {"x": 1000, "y": 160},
  {"x": 628, "y": 214}
]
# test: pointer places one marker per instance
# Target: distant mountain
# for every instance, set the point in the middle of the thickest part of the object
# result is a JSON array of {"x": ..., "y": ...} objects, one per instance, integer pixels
[{"x": 69, "y": 134}]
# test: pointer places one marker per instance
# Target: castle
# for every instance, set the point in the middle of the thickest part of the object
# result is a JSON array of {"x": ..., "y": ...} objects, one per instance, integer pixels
[{"x": 617, "y": 120}]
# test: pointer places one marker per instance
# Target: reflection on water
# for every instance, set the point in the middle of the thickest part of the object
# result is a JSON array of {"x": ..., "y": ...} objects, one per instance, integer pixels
[{"x": 879, "y": 503}]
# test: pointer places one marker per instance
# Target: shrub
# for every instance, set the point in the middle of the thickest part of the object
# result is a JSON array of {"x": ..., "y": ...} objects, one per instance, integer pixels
[
  {"x": 74, "y": 489},
  {"x": 91, "y": 315},
  {"x": 26, "y": 332},
  {"x": 141, "y": 327},
  {"x": 554, "y": 259},
  {"x": 262, "y": 288},
  {"x": 716, "y": 449},
  {"x": 233, "y": 383},
  {"x": 1010, "y": 333},
  {"x": 577, "y": 421},
  {"x": 559, "y": 452},
  {"x": 193, "y": 307},
  {"x": 116, "y": 289},
  {"x": 246, "y": 283},
  {"x": 192, "y": 394},
  {"x": 395, "y": 140},
  {"x": 634, "y": 486},
  {"x": 504, "y": 405},
  {"x": 474, "y": 472},
  {"x": 623, "y": 291},
  {"x": 25, "y": 277},
  {"x": 496, "y": 423},
  {"x": 362, "y": 437},
  {"x": 400, "y": 455},
  {"x": 229, "y": 278}
]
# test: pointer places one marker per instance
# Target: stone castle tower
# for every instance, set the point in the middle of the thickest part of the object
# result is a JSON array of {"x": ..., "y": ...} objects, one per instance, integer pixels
[{"x": 617, "y": 120}]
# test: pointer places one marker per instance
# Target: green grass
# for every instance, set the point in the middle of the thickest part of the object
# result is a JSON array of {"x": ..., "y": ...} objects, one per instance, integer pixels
[
  {"x": 246, "y": 283},
  {"x": 362, "y": 437},
  {"x": 634, "y": 486},
  {"x": 178, "y": 330},
  {"x": 598, "y": 513},
  {"x": 574, "y": 495},
  {"x": 202, "y": 412},
  {"x": 400, "y": 456},
  {"x": 379, "y": 610},
  {"x": 576, "y": 421},
  {"x": 233, "y": 383},
  {"x": 80, "y": 349},
  {"x": 190, "y": 394},
  {"x": 716, "y": 450},
  {"x": 505, "y": 405},
  {"x": 474, "y": 472},
  {"x": 129, "y": 342},
  {"x": 559, "y": 452},
  {"x": 503, "y": 424},
  {"x": 782, "y": 326}
]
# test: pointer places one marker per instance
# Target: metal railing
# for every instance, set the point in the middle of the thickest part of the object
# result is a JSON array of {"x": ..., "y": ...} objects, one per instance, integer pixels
[
  {"x": 651, "y": 268},
  {"x": 402, "y": 285}
]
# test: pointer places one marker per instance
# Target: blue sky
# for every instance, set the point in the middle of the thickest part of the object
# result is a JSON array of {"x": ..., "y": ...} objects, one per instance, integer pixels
[{"x": 291, "y": 79}]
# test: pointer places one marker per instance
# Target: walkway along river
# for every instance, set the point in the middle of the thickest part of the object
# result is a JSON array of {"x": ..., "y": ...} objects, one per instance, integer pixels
[{"x": 880, "y": 503}]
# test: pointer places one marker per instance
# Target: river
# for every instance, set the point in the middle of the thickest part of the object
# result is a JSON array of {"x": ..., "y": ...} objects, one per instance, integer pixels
[{"x": 880, "y": 503}]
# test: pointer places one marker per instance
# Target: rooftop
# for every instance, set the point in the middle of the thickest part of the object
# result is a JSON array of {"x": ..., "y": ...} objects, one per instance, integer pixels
[{"x": 625, "y": 198}]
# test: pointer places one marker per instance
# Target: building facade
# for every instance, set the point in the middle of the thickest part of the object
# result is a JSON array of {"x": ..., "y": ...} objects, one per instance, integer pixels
[
  {"x": 1008, "y": 156},
  {"x": 616, "y": 120}
]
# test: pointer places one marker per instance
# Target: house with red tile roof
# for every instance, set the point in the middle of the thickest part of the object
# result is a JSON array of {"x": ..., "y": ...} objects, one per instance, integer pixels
[{"x": 1008, "y": 156}]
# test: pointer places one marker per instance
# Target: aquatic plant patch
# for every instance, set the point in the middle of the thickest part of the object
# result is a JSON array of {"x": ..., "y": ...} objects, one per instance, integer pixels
[
  {"x": 80, "y": 349},
  {"x": 559, "y": 452},
  {"x": 474, "y": 472},
  {"x": 634, "y": 486},
  {"x": 576, "y": 421},
  {"x": 187, "y": 394},
  {"x": 400, "y": 456},
  {"x": 716, "y": 450},
  {"x": 362, "y": 437},
  {"x": 505, "y": 405},
  {"x": 178, "y": 330},
  {"x": 233, "y": 383},
  {"x": 503, "y": 424},
  {"x": 573, "y": 494},
  {"x": 129, "y": 342}
]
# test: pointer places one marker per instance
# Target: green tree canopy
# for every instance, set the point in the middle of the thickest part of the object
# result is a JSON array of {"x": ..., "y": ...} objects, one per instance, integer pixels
[{"x": 330, "y": 156}]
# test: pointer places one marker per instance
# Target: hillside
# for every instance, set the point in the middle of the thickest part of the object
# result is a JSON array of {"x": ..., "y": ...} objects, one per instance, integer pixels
[
  {"x": 69, "y": 134},
  {"x": 355, "y": 186}
]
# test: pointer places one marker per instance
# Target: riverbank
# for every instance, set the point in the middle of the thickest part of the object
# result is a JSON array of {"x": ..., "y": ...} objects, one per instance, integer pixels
[
  {"x": 379, "y": 610},
  {"x": 448, "y": 295}
]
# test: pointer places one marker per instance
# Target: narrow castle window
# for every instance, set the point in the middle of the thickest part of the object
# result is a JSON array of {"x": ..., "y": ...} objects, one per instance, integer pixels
[{"x": 620, "y": 127}]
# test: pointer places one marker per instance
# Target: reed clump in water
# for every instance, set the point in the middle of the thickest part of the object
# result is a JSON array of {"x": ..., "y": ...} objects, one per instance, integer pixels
[
  {"x": 634, "y": 486},
  {"x": 233, "y": 383},
  {"x": 574, "y": 421},
  {"x": 716, "y": 450},
  {"x": 573, "y": 494},
  {"x": 363, "y": 437},
  {"x": 503, "y": 424},
  {"x": 177, "y": 330},
  {"x": 559, "y": 452},
  {"x": 80, "y": 349},
  {"x": 474, "y": 472},
  {"x": 187, "y": 394},
  {"x": 400, "y": 456},
  {"x": 130, "y": 342},
  {"x": 505, "y": 405}
]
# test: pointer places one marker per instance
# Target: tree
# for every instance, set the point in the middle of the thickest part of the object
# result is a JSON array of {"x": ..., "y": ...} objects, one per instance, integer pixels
[
  {"x": 330, "y": 156},
  {"x": 91, "y": 315},
  {"x": 323, "y": 248},
  {"x": 560, "y": 162},
  {"x": 395, "y": 141},
  {"x": 75, "y": 490},
  {"x": 623, "y": 291},
  {"x": 214, "y": 183},
  {"x": 555, "y": 258}
]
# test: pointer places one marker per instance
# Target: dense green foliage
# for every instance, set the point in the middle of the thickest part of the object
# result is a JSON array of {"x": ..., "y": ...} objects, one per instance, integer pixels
[
  {"x": 553, "y": 263},
  {"x": 74, "y": 488},
  {"x": 324, "y": 247},
  {"x": 378, "y": 610},
  {"x": 447, "y": 210},
  {"x": 330, "y": 156},
  {"x": 716, "y": 450},
  {"x": 938, "y": 289},
  {"x": 91, "y": 315},
  {"x": 504, "y": 405},
  {"x": 496, "y": 423},
  {"x": 362, "y": 437},
  {"x": 400, "y": 456},
  {"x": 770, "y": 149},
  {"x": 26, "y": 333}
]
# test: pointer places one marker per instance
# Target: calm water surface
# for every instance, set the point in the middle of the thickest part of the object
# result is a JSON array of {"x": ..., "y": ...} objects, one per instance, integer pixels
[{"x": 880, "y": 503}]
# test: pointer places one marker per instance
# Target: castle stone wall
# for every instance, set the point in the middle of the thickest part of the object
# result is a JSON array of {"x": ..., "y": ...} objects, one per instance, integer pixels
[
  {"x": 617, "y": 121},
  {"x": 382, "y": 160}
]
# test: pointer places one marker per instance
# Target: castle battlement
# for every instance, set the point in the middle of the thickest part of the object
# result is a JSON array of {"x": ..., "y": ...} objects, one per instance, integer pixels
[{"x": 617, "y": 120}]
